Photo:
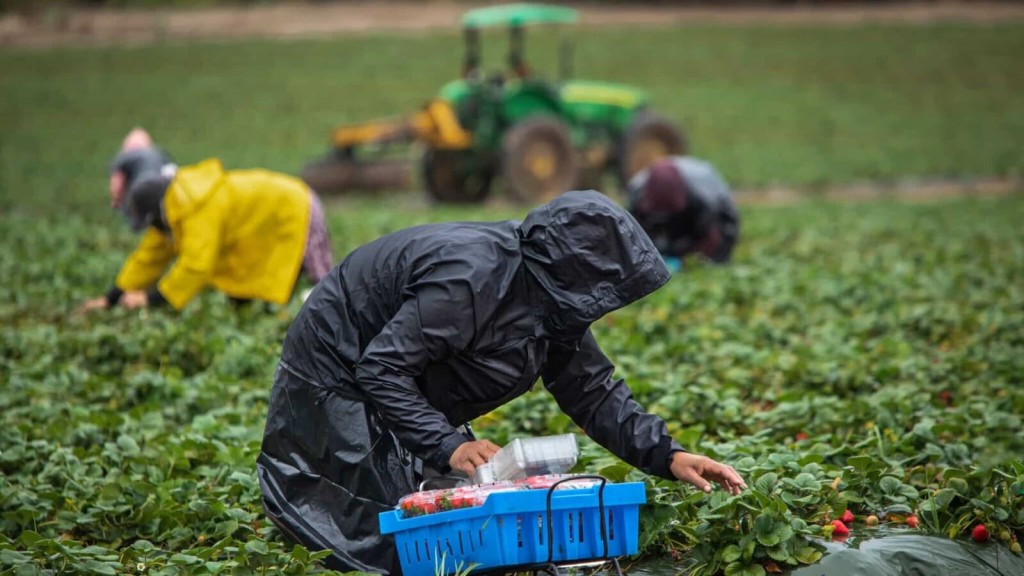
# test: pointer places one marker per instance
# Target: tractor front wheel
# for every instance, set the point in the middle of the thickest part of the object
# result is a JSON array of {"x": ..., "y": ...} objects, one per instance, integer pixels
[
  {"x": 648, "y": 139},
  {"x": 451, "y": 177},
  {"x": 538, "y": 160}
]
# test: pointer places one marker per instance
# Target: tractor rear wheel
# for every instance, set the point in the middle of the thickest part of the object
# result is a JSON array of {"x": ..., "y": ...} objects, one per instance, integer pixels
[
  {"x": 538, "y": 160},
  {"x": 451, "y": 177},
  {"x": 648, "y": 139}
]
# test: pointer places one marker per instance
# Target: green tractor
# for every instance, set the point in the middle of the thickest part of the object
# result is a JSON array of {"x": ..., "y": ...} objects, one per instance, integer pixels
[{"x": 542, "y": 138}]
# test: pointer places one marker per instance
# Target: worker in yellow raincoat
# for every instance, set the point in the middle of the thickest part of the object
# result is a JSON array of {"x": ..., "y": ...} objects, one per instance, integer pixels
[{"x": 246, "y": 233}]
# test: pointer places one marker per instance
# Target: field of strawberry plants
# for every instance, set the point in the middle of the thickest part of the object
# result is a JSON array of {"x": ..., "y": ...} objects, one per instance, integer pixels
[
  {"x": 856, "y": 358},
  {"x": 865, "y": 358}
]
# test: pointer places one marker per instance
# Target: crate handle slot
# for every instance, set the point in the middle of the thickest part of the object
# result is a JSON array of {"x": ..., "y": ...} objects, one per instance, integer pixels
[{"x": 600, "y": 506}]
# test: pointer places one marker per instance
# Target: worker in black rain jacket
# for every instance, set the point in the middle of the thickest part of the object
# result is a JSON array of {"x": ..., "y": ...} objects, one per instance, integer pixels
[{"x": 418, "y": 332}]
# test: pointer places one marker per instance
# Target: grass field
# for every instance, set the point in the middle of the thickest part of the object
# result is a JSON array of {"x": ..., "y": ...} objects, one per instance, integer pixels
[
  {"x": 862, "y": 356},
  {"x": 767, "y": 105}
]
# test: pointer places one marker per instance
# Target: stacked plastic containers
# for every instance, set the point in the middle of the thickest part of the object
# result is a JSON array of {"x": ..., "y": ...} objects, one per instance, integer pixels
[{"x": 525, "y": 457}]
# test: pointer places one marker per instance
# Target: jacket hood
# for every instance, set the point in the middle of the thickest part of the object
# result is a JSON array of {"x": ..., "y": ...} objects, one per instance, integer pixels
[
  {"x": 590, "y": 257},
  {"x": 192, "y": 187}
]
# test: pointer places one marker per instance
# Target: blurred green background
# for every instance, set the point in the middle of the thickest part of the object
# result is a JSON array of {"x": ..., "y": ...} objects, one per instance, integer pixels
[{"x": 768, "y": 105}]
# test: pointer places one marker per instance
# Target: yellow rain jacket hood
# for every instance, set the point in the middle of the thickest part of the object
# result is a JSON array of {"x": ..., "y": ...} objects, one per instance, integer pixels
[{"x": 241, "y": 231}]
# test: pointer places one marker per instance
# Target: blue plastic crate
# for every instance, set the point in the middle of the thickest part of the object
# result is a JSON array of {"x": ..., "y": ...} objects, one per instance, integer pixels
[{"x": 511, "y": 529}]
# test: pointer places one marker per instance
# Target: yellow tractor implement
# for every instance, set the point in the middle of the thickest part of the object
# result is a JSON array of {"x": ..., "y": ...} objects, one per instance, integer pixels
[
  {"x": 357, "y": 160},
  {"x": 436, "y": 125}
]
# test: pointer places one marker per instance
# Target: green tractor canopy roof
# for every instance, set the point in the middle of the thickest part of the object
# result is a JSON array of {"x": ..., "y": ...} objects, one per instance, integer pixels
[{"x": 519, "y": 15}]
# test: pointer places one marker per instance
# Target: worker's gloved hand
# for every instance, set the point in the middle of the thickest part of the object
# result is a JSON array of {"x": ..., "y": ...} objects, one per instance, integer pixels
[
  {"x": 701, "y": 471},
  {"x": 467, "y": 457}
]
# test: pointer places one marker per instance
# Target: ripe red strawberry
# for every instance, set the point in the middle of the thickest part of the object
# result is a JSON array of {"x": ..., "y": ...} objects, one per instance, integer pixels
[
  {"x": 980, "y": 533},
  {"x": 800, "y": 436},
  {"x": 912, "y": 521},
  {"x": 839, "y": 529},
  {"x": 847, "y": 518}
]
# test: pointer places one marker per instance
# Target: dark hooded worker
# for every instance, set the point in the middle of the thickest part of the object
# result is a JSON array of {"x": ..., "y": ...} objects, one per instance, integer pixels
[
  {"x": 686, "y": 207},
  {"x": 246, "y": 233},
  {"x": 419, "y": 332}
]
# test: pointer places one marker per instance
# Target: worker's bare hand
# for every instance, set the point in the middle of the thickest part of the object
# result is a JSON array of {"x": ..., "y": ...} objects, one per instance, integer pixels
[
  {"x": 467, "y": 457},
  {"x": 98, "y": 303},
  {"x": 134, "y": 299},
  {"x": 116, "y": 189},
  {"x": 701, "y": 471}
]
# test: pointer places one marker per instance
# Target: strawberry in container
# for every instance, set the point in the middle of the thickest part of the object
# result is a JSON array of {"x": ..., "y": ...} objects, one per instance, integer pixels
[
  {"x": 459, "y": 501},
  {"x": 433, "y": 501},
  {"x": 461, "y": 497},
  {"x": 418, "y": 504}
]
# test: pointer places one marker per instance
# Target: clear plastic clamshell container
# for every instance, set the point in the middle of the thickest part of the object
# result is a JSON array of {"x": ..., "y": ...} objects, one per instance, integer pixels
[
  {"x": 532, "y": 457},
  {"x": 484, "y": 474}
]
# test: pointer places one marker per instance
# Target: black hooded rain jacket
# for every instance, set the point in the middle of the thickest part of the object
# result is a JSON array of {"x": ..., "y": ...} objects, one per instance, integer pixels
[{"x": 425, "y": 329}]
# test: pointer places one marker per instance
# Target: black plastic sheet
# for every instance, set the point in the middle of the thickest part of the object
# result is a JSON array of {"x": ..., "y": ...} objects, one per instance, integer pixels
[
  {"x": 914, "y": 554},
  {"x": 883, "y": 552}
]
